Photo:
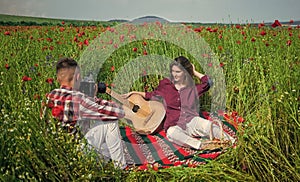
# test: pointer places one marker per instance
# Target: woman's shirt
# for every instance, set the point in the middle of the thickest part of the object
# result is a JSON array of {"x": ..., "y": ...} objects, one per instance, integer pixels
[{"x": 181, "y": 105}]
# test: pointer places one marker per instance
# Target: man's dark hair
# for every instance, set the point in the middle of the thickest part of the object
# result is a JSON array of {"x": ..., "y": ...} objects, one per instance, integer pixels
[{"x": 66, "y": 63}]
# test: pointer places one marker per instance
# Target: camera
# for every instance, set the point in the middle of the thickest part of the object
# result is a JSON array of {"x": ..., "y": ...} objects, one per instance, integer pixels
[{"x": 87, "y": 86}]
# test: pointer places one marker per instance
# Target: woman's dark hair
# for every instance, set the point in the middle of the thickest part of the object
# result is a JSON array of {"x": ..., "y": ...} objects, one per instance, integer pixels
[{"x": 184, "y": 64}]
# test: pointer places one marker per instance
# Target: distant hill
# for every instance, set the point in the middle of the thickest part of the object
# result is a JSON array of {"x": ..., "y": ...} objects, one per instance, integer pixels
[{"x": 149, "y": 19}]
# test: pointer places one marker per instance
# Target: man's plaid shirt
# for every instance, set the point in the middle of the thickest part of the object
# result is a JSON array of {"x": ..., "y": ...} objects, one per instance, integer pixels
[{"x": 69, "y": 106}]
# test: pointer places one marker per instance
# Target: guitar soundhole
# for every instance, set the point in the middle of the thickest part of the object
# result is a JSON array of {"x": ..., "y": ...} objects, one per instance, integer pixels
[{"x": 135, "y": 108}]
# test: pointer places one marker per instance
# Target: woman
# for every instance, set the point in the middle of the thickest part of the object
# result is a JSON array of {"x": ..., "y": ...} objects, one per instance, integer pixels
[{"x": 182, "y": 123}]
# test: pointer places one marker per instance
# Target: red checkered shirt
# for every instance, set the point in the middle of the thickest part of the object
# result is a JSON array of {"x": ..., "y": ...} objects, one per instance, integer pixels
[{"x": 69, "y": 106}]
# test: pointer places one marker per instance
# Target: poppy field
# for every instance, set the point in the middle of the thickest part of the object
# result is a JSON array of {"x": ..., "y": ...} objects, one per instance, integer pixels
[{"x": 261, "y": 66}]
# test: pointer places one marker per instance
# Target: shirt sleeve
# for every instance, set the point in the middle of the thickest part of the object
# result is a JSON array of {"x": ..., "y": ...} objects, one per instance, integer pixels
[
  {"x": 159, "y": 90},
  {"x": 204, "y": 86},
  {"x": 100, "y": 109}
]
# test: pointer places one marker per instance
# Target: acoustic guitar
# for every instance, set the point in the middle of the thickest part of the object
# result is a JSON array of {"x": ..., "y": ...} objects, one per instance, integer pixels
[{"x": 146, "y": 116}]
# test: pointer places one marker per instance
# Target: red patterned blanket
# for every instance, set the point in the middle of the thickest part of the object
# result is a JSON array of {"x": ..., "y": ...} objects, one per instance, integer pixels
[{"x": 157, "y": 151}]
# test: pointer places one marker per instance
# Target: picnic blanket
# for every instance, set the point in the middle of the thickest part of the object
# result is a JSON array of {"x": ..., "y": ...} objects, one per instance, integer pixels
[{"x": 158, "y": 151}]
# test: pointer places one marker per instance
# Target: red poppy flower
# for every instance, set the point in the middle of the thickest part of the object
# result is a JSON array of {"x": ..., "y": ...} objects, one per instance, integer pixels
[
  {"x": 238, "y": 26},
  {"x": 49, "y": 39},
  {"x": 26, "y": 78},
  {"x": 122, "y": 38},
  {"x": 155, "y": 167},
  {"x": 241, "y": 120},
  {"x": 145, "y": 53},
  {"x": 7, "y": 66},
  {"x": 238, "y": 42},
  {"x": 86, "y": 42},
  {"x": 198, "y": 29},
  {"x": 7, "y": 33},
  {"x": 221, "y": 64},
  {"x": 253, "y": 39},
  {"x": 276, "y": 24},
  {"x": 289, "y": 42},
  {"x": 62, "y": 22},
  {"x": 50, "y": 80},
  {"x": 234, "y": 113},
  {"x": 261, "y": 25},
  {"x": 263, "y": 33},
  {"x": 75, "y": 39},
  {"x": 112, "y": 69},
  {"x": 132, "y": 37},
  {"x": 144, "y": 43},
  {"x": 143, "y": 167},
  {"x": 134, "y": 49},
  {"x": 36, "y": 96},
  {"x": 80, "y": 45}
]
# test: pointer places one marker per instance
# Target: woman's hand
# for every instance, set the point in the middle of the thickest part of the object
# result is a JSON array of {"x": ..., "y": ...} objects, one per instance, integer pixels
[
  {"x": 125, "y": 96},
  {"x": 196, "y": 73},
  {"x": 193, "y": 69}
]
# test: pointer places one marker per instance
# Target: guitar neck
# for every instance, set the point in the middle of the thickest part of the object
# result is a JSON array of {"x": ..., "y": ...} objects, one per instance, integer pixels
[{"x": 118, "y": 97}]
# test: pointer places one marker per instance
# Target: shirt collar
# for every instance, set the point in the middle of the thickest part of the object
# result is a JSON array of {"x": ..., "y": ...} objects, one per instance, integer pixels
[{"x": 66, "y": 87}]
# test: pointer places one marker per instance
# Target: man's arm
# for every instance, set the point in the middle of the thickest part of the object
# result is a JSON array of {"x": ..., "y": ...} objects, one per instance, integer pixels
[{"x": 100, "y": 110}]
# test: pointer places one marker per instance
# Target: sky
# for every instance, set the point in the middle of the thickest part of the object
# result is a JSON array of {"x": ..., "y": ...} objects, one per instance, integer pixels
[{"x": 203, "y": 11}]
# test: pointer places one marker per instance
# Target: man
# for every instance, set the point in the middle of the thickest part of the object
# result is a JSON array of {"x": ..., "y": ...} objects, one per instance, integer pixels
[{"x": 70, "y": 106}]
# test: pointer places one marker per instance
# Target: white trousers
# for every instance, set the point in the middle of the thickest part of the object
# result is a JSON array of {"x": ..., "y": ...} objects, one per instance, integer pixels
[
  {"x": 197, "y": 127},
  {"x": 105, "y": 138}
]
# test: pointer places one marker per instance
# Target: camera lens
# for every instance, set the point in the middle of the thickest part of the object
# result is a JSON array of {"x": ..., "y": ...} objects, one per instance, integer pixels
[{"x": 101, "y": 87}]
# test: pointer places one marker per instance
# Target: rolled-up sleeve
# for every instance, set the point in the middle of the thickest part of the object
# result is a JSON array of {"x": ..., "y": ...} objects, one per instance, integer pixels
[{"x": 204, "y": 86}]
